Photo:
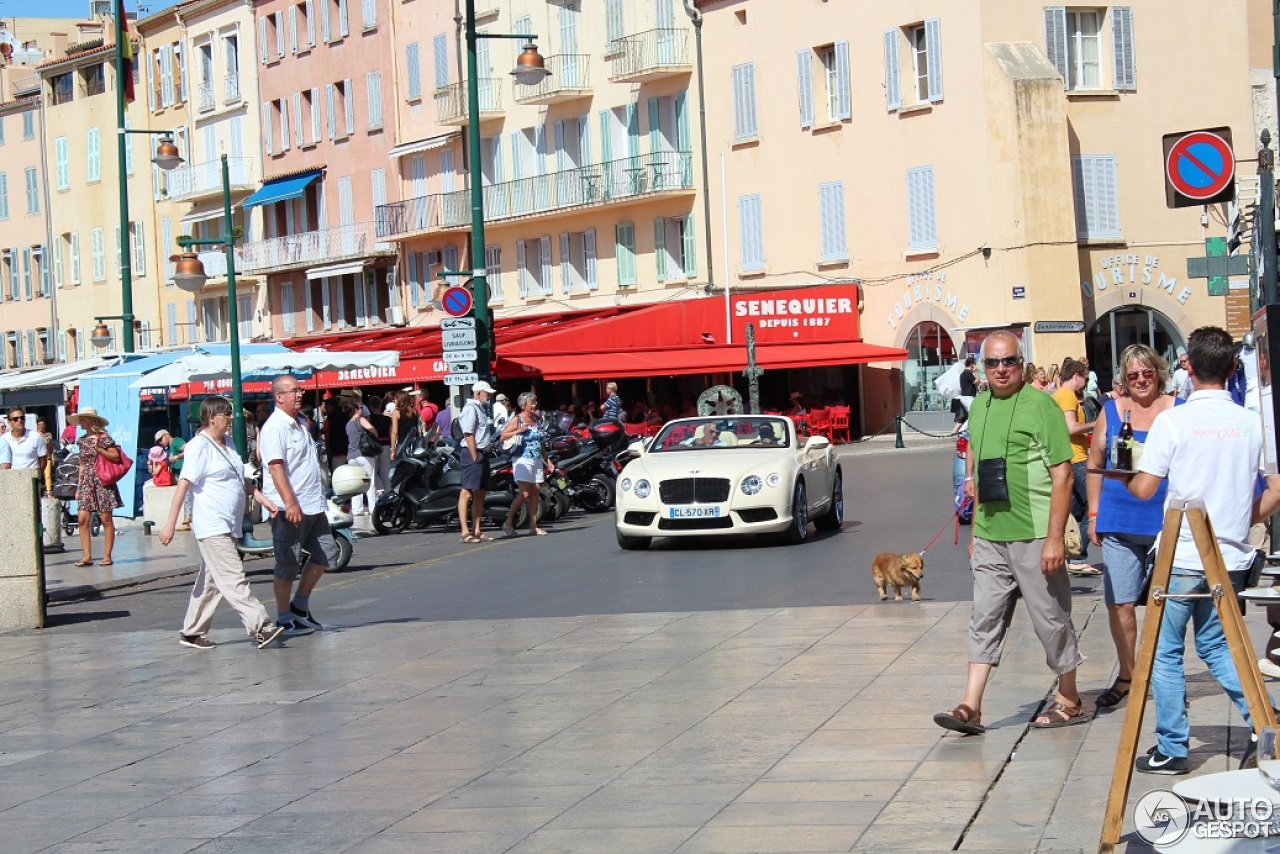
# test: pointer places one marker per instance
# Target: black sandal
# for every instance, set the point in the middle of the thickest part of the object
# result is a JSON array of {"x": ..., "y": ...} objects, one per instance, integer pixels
[{"x": 1113, "y": 696}]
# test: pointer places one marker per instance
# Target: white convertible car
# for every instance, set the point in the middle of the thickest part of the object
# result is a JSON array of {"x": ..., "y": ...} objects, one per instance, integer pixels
[{"x": 736, "y": 474}]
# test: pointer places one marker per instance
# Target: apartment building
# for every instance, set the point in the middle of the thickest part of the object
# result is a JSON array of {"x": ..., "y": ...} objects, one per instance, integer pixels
[
  {"x": 322, "y": 65},
  {"x": 972, "y": 168},
  {"x": 201, "y": 84}
]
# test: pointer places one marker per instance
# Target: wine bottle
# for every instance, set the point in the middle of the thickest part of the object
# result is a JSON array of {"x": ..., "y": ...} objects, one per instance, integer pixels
[{"x": 1124, "y": 445}]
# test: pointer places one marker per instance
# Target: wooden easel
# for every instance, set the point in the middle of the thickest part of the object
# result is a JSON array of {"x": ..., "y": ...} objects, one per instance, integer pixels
[{"x": 1224, "y": 599}]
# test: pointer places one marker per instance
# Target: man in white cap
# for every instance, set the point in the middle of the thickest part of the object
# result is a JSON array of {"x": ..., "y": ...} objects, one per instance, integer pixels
[{"x": 477, "y": 438}]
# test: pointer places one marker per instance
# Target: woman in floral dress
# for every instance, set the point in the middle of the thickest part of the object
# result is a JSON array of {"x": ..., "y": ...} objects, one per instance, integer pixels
[{"x": 91, "y": 494}]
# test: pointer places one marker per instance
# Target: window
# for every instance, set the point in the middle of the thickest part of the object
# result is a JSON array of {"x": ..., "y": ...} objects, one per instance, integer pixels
[
  {"x": 750, "y": 234},
  {"x": 179, "y": 72},
  {"x": 57, "y": 261},
  {"x": 288, "y": 320},
  {"x": 11, "y": 261},
  {"x": 43, "y": 264},
  {"x": 277, "y": 24},
  {"x": 412, "y": 72},
  {"x": 533, "y": 267},
  {"x": 29, "y": 124},
  {"x": 578, "y": 261},
  {"x": 4, "y": 196},
  {"x": 94, "y": 156},
  {"x": 62, "y": 89},
  {"x": 308, "y": 12},
  {"x": 75, "y": 258},
  {"x": 26, "y": 273},
  {"x": 440, "y": 46},
  {"x": 33, "y": 190},
  {"x": 925, "y": 41},
  {"x": 369, "y": 14},
  {"x": 673, "y": 248},
  {"x": 835, "y": 245},
  {"x": 1097, "y": 199},
  {"x": 139, "y": 250},
  {"x": 61, "y": 167},
  {"x": 744, "y": 102},
  {"x": 373, "y": 87},
  {"x": 835, "y": 67},
  {"x": 99, "y": 248},
  {"x": 231, "y": 45},
  {"x": 93, "y": 80},
  {"x": 282, "y": 110},
  {"x": 493, "y": 272},
  {"x": 624, "y": 251},
  {"x": 614, "y": 24},
  {"x": 1073, "y": 43},
  {"x": 922, "y": 226},
  {"x": 342, "y": 18}
]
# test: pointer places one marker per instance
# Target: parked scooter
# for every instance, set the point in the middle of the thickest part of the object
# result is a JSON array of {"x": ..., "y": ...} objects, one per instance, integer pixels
[
  {"x": 347, "y": 481},
  {"x": 590, "y": 466}
]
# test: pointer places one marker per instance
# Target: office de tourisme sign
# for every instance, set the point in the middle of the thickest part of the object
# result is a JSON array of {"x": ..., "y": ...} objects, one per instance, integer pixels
[{"x": 828, "y": 313}]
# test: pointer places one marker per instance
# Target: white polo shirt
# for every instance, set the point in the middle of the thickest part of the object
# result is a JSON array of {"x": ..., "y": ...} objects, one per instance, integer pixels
[
  {"x": 28, "y": 451},
  {"x": 286, "y": 439},
  {"x": 1211, "y": 449},
  {"x": 216, "y": 476}
]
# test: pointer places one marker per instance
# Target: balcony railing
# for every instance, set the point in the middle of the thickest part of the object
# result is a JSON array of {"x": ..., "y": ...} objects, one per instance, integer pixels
[
  {"x": 93, "y": 86},
  {"x": 451, "y": 100},
  {"x": 193, "y": 180},
  {"x": 205, "y": 99},
  {"x": 327, "y": 245},
  {"x": 215, "y": 263},
  {"x": 570, "y": 78},
  {"x": 233, "y": 87},
  {"x": 584, "y": 186},
  {"x": 650, "y": 54}
]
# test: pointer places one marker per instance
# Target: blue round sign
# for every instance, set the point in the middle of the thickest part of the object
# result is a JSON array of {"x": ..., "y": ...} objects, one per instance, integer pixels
[{"x": 456, "y": 301}]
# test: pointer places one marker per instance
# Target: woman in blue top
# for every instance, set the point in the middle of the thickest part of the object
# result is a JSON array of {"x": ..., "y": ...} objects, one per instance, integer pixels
[
  {"x": 1124, "y": 526},
  {"x": 530, "y": 461}
]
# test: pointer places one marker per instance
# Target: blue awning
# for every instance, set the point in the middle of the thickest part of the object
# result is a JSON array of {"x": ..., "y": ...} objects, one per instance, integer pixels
[{"x": 279, "y": 190}]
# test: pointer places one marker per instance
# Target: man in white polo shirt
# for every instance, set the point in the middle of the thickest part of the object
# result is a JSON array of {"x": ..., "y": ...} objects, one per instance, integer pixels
[
  {"x": 294, "y": 484},
  {"x": 27, "y": 449},
  {"x": 1209, "y": 449}
]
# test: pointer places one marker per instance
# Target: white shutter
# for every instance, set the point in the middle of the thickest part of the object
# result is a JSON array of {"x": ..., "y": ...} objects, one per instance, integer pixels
[
  {"x": 297, "y": 119},
  {"x": 545, "y": 243},
  {"x": 310, "y": 307},
  {"x": 284, "y": 125},
  {"x": 349, "y": 105},
  {"x": 373, "y": 83},
  {"x": 660, "y": 248},
  {"x": 440, "y": 46},
  {"x": 315, "y": 115},
  {"x": 566, "y": 277},
  {"x": 933, "y": 55},
  {"x": 266, "y": 128},
  {"x": 1097, "y": 203},
  {"x": 804, "y": 81},
  {"x": 1124, "y": 70},
  {"x": 412, "y": 72},
  {"x": 331, "y": 110},
  {"x": 95, "y": 155},
  {"x": 128, "y": 149},
  {"x": 139, "y": 249},
  {"x": 311, "y": 22},
  {"x": 262, "y": 45},
  {"x": 293, "y": 29},
  {"x": 279, "y": 20},
  {"x": 522, "y": 271},
  {"x": 326, "y": 35},
  {"x": 288, "y": 322},
  {"x": 844, "y": 98},
  {"x": 831, "y": 214},
  {"x": 1055, "y": 41},
  {"x": 370, "y": 14},
  {"x": 750, "y": 234},
  {"x": 378, "y": 187},
  {"x": 589, "y": 252},
  {"x": 342, "y": 18},
  {"x": 892, "y": 74},
  {"x": 63, "y": 166},
  {"x": 166, "y": 246},
  {"x": 744, "y": 102},
  {"x": 413, "y": 279},
  {"x": 922, "y": 231},
  {"x": 75, "y": 258},
  {"x": 171, "y": 324}
]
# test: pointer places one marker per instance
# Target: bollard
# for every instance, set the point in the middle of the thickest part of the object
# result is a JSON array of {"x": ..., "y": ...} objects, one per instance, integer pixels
[
  {"x": 147, "y": 526},
  {"x": 897, "y": 442}
]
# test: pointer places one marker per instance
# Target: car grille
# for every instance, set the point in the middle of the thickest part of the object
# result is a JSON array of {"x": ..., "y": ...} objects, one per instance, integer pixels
[
  {"x": 758, "y": 514},
  {"x": 710, "y": 523},
  {"x": 694, "y": 490}
]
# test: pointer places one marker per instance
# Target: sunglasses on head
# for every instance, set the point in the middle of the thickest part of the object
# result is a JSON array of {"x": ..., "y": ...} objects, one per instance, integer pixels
[
  {"x": 1007, "y": 361},
  {"x": 1145, "y": 373}
]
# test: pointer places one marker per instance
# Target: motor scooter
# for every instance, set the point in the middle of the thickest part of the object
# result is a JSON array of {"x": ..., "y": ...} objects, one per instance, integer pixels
[{"x": 338, "y": 512}]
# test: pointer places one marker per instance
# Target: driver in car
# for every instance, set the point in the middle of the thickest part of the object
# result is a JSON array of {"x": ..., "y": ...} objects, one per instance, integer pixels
[{"x": 766, "y": 436}]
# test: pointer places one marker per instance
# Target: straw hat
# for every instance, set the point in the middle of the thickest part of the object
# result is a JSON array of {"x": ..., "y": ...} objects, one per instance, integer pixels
[{"x": 87, "y": 414}]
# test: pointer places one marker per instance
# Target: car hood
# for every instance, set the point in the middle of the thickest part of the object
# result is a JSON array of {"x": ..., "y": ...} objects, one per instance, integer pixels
[{"x": 719, "y": 462}]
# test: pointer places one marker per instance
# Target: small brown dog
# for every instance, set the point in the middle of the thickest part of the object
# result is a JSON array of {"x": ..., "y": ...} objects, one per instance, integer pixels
[{"x": 898, "y": 571}]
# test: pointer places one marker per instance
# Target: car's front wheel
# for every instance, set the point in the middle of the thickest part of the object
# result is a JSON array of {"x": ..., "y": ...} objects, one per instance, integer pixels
[
  {"x": 799, "y": 530},
  {"x": 834, "y": 517},
  {"x": 632, "y": 544}
]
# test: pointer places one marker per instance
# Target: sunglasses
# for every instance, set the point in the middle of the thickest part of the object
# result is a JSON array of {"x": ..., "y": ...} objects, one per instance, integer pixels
[
  {"x": 17, "y": 418},
  {"x": 1007, "y": 361},
  {"x": 1146, "y": 374}
]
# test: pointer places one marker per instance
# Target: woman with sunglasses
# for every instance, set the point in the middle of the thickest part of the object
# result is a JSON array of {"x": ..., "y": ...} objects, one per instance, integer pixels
[{"x": 1125, "y": 526}]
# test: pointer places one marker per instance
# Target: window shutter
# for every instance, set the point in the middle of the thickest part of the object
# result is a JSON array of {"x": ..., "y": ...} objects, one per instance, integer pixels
[
  {"x": 633, "y": 134},
  {"x": 331, "y": 110},
  {"x": 545, "y": 247},
  {"x": 370, "y": 14},
  {"x": 278, "y": 17},
  {"x": 625, "y": 252},
  {"x": 373, "y": 82},
  {"x": 57, "y": 262},
  {"x": 831, "y": 213},
  {"x": 171, "y": 324},
  {"x": 262, "y": 43},
  {"x": 326, "y": 34},
  {"x": 845, "y": 96},
  {"x": 63, "y": 167},
  {"x": 311, "y": 22},
  {"x": 440, "y": 47},
  {"x": 75, "y": 258},
  {"x": 349, "y": 103},
  {"x": 614, "y": 27},
  {"x": 266, "y": 128},
  {"x": 892, "y": 76},
  {"x": 166, "y": 242},
  {"x": 921, "y": 215},
  {"x": 297, "y": 119},
  {"x": 655, "y": 130},
  {"x": 148, "y": 60},
  {"x": 804, "y": 81},
  {"x": 315, "y": 115},
  {"x": 933, "y": 55},
  {"x": 522, "y": 272},
  {"x": 584, "y": 139},
  {"x": 293, "y": 29},
  {"x": 128, "y": 149},
  {"x": 4, "y": 196},
  {"x": 1125, "y": 72},
  {"x": 660, "y": 247},
  {"x": 690, "y": 248},
  {"x": 95, "y": 158},
  {"x": 413, "y": 279},
  {"x": 744, "y": 102},
  {"x": 1055, "y": 41},
  {"x": 565, "y": 284},
  {"x": 589, "y": 252},
  {"x": 412, "y": 72},
  {"x": 309, "y": 311},
  {"x": 751, "y": 249},
  {"x": 284, "y": 125},
  {"x": 1097, "y": 204},
  {"x": 139, "y": 248},
  {"x": 342, "y": 18}
]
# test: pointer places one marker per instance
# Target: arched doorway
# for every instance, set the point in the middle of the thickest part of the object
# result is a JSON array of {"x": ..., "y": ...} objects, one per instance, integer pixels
[
  {"x": 930, "y": 351},
  {"x": 1121, "y": 327}
]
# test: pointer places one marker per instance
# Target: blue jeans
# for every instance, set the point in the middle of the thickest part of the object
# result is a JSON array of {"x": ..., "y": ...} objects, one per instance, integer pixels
[
  {"x": 1080, "y": 506},
  {"x": 1168, "y": 680}
]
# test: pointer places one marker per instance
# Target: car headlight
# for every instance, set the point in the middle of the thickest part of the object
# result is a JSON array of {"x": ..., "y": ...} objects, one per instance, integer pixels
[
  {"x": 625, "y": 484},
  {"x": 773, "y": 479},
  {"x": 751, "y": 484},
  {"x": 643, "y": 489}
]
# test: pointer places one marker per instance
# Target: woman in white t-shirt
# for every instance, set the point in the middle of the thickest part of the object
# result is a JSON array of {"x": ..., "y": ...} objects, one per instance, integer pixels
[{"x": 214, "y": 474}]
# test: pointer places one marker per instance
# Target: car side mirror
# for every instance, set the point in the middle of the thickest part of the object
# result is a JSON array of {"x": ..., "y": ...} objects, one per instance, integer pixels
[{"x": 817, "y": 443}]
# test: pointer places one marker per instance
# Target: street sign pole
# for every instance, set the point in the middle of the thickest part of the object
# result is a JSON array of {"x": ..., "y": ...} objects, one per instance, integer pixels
[{"x": 1267, "y": 217}]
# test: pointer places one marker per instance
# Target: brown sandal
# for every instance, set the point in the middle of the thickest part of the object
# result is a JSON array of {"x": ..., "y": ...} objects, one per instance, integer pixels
[
  {"x": 1060, "y": 715},
  {"x": 961, "y": 719}
]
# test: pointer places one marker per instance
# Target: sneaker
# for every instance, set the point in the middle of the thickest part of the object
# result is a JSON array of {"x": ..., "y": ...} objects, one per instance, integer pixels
[
  {"x": 1269, "y": 668},
  {"x": 267, "y": 634},
  {"x": 1156, "y": 762},
  {"x": 304, "y": 618},
  {"x": 293, "y": 629},
  {"x": 196, "y": 641}
]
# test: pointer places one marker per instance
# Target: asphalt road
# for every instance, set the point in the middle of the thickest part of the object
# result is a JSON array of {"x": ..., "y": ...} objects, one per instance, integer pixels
[{"x": 895, "y": 501}]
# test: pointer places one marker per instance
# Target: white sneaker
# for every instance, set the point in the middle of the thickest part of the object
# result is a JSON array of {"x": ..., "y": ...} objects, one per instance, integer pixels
[{"x": 1269, "y": 668}]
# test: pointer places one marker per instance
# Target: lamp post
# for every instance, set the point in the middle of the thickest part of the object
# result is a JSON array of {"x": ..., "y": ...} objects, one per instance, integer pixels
[
  {"x": 530, "y": 70},
  {"x": 189, "y": 275}
]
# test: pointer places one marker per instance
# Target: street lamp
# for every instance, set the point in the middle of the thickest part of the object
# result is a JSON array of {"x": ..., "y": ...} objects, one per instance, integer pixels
[
  {"x": 189, "y": 275},
  {"x": 530, "y": 70}
]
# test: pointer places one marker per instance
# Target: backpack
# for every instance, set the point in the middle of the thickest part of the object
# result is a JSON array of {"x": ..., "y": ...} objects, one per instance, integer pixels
[{"x": 455, "y": 427}]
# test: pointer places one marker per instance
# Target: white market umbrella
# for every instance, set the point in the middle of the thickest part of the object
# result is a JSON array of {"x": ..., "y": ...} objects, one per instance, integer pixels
[{"x": 200, "y": 366}]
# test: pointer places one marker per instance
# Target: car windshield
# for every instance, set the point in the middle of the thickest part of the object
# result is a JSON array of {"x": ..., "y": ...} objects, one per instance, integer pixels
[{"x": 731, "y": 431}]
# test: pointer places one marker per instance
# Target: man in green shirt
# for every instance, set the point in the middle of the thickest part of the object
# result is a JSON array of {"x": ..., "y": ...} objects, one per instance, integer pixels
[{"x": 1019, "y": 473}]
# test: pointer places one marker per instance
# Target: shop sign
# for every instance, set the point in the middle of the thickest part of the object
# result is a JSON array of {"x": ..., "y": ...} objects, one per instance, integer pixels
[
  {"x": 929, "y": 286},
  {"x": 1059, "y": 326},
  {"x": 828, "y": 313},
  {"x": 1132, "y": 268}
]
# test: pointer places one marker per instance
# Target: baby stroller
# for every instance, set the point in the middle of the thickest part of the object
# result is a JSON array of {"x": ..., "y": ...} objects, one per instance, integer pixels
[{"x": 66, "y": 480}]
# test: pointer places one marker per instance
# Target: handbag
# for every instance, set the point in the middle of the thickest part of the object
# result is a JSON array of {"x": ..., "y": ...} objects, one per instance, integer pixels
[
  {"x": 110, "y": 473},
  {"x": 1071, "y": 537},
  {"x": 369, "y": 445}
]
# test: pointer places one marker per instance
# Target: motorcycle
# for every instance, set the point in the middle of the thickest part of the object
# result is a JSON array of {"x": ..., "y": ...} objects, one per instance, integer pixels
[{"x": 590, "y": 467}]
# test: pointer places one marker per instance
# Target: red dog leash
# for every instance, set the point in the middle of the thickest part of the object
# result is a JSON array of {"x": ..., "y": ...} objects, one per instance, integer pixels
[{"x": 944, "y": 527}]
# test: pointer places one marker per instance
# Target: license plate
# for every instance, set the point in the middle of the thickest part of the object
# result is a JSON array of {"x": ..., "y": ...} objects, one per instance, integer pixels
[{"x": 695, "y": 512}]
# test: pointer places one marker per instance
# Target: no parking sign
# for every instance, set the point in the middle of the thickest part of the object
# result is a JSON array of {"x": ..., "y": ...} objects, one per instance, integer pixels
[{"x": 1199, "y": 168}]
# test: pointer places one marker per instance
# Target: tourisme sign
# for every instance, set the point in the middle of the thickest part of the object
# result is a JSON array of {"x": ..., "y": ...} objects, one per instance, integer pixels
[
  {"x": 1199, "y": 168},
  {"x": 799, "y": 315}
]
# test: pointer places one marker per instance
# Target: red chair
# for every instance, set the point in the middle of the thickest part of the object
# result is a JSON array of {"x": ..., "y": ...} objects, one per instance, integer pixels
[
  {"x": 820, "y": 422},
  {"x": 840, "y": 424}
]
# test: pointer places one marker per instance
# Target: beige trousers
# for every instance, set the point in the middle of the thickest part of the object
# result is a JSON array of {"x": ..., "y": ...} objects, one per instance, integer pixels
[{"x": 221, "y": 576}]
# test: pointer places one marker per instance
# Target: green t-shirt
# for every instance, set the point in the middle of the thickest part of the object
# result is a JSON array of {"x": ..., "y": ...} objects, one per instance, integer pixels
[
  {"x": 175, "y": 447},
  {"x": 1036, "y": 439}
]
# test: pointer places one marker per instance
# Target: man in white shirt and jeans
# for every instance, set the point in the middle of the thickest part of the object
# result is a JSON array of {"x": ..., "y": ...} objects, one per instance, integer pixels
[
  {"x": 28, "y": 450},
  {"x": 293, "y": 482},
  {"x": 1209, "y": 449}
]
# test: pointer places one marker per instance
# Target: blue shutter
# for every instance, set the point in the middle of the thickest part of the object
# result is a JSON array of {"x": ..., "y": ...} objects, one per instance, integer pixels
[
  {"x": 844, "y": 97},
  {"x": 655, "y": 126},
  {"x": 804, "y": 82},
  {"x": 545, "y": 252},
  {"x": 413, "y": 279},
  {"x": 690, "y": 248},
  {"x": 1097, "y": 202},
  {"x": 589, "y": 257},
  {"x": 565, "y": 273},
  {"x": 744, "y": 102},
  {"x": 892, "y": 74},
  {"x": 921, "y": 213},
  {"x": 1055, "y": 41},
  {"x": 750, "y": 234},
  {"x": 584, "y": 139},
  {"x": 831, "y": 214},
  {"x": 660, "y": 247},
  {"x": 933, "y": 55},
  {"x": 1124, "y": 71},
  {"x": 171, "y": 324},
  {"x": 522, "y": 270},
  {"x": 684, "y": 144},
  {"x": 412, "y": 71},
  {"x": 441, "y": 47}
]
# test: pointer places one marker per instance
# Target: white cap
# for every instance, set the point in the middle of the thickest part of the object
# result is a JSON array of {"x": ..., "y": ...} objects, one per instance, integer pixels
[{"x": 482, "y": 386}]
